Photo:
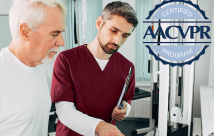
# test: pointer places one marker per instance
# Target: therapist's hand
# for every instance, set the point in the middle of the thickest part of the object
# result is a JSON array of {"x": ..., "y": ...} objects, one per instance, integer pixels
[
  {"x": 119, "y": 114},
  {"x": 106, "y": 129}
]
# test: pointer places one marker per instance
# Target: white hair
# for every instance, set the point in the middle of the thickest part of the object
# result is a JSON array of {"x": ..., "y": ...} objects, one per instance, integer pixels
[{"x": 31, "y": 12}]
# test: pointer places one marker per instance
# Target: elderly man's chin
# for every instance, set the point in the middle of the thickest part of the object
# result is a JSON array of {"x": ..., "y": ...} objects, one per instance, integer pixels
[
  {"x": 48, "y": 60},
  {"x": 50, "y": 56}
]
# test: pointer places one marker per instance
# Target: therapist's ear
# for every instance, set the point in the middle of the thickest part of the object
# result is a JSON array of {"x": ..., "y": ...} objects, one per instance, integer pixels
[{"x": 99, "y": 22}]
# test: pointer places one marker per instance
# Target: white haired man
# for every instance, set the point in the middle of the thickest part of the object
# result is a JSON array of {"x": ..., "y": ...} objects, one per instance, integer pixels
[{"x": 25, "y": 101}]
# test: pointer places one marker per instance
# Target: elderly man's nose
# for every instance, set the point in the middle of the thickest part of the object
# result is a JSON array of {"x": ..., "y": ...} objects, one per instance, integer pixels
[{"x": 60, "y": 41}]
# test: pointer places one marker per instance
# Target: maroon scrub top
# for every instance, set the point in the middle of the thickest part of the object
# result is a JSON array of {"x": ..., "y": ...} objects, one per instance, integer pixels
[{"x": 78, "y": 78}]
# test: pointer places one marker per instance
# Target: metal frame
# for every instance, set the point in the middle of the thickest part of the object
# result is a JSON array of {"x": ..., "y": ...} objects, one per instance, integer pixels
[
  {"x": 154, "y": 79},
  {"x": 187, "y": 97}
]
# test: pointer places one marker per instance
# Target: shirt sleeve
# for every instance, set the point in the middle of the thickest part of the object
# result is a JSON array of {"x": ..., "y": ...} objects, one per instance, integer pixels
[
  {"x": 62, "y": 88},
  {"x": 128, "y": 109},
  {"x": 76, "y": 120}
]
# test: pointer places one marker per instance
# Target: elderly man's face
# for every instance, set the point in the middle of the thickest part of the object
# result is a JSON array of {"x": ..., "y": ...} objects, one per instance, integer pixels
[
  {"x": 46, "y": 40},
  {"x": 114, "y": 33}
]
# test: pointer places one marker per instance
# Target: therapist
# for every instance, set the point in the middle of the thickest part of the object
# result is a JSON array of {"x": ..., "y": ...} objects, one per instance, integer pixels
[
  {"x": 88, "y": 80},
  {"x": 25, "y": 101}
]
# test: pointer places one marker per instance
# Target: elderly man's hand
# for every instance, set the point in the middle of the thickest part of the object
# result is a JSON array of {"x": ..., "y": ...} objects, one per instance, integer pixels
[
  {"x": 119, "y": 114},
  {"x": 106, "y": 129}
]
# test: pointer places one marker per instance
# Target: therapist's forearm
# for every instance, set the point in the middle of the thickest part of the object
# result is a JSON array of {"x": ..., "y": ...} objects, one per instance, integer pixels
[{"x": 76, "y": 120}]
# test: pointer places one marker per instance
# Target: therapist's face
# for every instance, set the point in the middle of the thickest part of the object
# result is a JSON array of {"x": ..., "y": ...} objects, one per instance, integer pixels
[
  {"x": 113, "y": 33},
  {"x": 46, "y": 40}
]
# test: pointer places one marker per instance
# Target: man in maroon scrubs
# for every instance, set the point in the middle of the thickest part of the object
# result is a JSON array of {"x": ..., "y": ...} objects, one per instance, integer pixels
[{"x": 88, "y": 80}]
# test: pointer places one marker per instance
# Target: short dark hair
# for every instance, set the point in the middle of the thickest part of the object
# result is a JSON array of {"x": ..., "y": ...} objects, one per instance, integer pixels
[{"x": 122, "y": 9}]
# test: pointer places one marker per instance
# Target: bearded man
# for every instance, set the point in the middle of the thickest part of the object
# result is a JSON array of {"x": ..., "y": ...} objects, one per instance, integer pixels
[{"x": 88, "y": 80}]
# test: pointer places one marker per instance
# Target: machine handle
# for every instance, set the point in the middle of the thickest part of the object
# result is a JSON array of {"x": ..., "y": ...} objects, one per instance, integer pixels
[
  {"x": 75, "y": 29},
  {"x": 155, "y": 94},
  {"x": 179, "y": 86}
]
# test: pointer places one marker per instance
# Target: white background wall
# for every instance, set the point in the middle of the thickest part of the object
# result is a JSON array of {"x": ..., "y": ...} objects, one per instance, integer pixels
[
  {"x": 5, "y": 6},
  {"x": 202, "y": 65},
  {"x": 5, "y": 35}
]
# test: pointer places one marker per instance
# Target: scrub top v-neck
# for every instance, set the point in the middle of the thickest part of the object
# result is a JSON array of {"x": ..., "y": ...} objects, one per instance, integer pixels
[{"x": 96, "y": 66}]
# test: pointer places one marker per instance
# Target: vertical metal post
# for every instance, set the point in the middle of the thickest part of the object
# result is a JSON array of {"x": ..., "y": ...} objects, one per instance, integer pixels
[
  {"x": 163, "y": 91},
  {"x": 188, "y": 95},
  {"x": 163, "y": 99}
]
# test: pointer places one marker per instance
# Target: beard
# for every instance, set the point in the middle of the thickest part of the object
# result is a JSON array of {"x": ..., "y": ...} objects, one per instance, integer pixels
[
  {"x": 105, "y": 47},
  {"x": 47, "y": 59}
]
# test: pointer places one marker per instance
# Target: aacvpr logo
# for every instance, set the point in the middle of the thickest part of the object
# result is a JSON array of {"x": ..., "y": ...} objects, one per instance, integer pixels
[{"x": 182, "y": 51}]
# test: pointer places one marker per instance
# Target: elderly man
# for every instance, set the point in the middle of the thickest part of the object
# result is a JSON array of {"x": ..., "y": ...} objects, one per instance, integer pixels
[
  {"x": 25, "y": 101},
  {"x": 88, "y": 80}
]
